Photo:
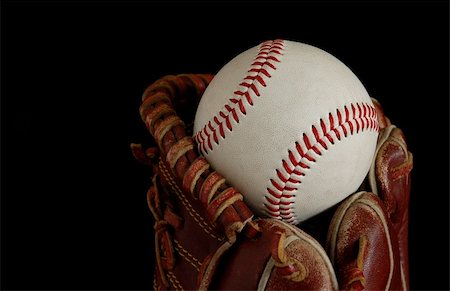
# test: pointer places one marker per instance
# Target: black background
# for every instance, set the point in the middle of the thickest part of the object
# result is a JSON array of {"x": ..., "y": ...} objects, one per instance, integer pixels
[{"x": 73, "y": 206}]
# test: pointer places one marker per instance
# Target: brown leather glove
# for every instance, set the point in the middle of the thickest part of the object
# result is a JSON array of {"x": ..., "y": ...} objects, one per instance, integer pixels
[
  {"x": 368, "y": 236},
  {"x": 207, "y": 238}
]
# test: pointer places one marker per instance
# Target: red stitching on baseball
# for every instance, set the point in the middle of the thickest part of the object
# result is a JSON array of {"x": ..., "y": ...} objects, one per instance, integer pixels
[
  {"x": 292, "y": 170},
  {"x": 347, "y": 116},
  {"x": 264, "y": 62},
  {"x": 363, "y": 117},
  {"x": 271, "y": 208},
  {"x": 282, "y": 178},
  {"x": 271, "y": 201},
  {"x": 340, "y": 123},
  {"x": 302, "y": 152},
  {"x": 292, "y": 158},
  {"x": 298, "y": 173},
  {"x": 276, "y": 185},
  {"x": 286, "y": 167},
  {"x": 273, "y": 193},
  {"x": 332, "y": 128},
  {"x": 286, "y": 188}
]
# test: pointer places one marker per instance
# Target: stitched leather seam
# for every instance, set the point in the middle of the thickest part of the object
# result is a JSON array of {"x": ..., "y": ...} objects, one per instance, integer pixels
[
  {"x": 201, "y": 222},
  {"x": 187, "y": 256},
  {"x": 263, "y": 65},
  {"x": 173, "y": 279},
  {"x": 347, "y": 121},
  {"x": 155, "y": 283}
]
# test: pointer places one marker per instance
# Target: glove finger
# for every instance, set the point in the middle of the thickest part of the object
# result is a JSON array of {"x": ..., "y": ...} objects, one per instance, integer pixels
[{"x": 362, "y": 246}]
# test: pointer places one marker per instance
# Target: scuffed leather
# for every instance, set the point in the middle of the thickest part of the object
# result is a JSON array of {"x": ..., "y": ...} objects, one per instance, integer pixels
[
  {"x": 389, "y": 178},
  {"x": 363, "y": 215},
  {"x": 248, "y": 265},
  {"x": 392, "y": 179},
  {"x": 366, "y": 241}
]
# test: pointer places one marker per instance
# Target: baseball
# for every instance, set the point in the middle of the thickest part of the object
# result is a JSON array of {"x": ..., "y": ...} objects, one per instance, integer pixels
[{"x": 290, "y": 127}]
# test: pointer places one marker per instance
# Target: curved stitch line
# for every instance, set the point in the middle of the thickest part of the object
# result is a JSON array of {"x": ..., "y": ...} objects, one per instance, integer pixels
[
  {"x": 203, "y": 225},
  {"x": 197, "y": 262},
  {"x": 187, "y": 256},
  {"x": 276, "y": 207},
  {"x": 155, "y": 284},
  {"x": 173, "y": 279},
  {"x": 264, "y": 62}
]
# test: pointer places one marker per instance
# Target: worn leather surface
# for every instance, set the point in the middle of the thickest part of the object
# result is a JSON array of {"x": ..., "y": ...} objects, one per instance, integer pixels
[
  {"x": 250, "y": 265},
  {"x": 389, "y": 179},
  {"x": 366, "y": 240},
  {"x": 363, "y": 215},
  {"x": 194, "y": 240},
  {"x": 392, "y": 180}
]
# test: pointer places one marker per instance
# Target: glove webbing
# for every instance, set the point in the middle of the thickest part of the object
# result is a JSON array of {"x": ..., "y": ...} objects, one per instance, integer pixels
[{"x": 222, "y": 202}]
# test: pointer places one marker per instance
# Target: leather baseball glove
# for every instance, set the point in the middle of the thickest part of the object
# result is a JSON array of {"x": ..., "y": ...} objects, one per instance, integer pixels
[{"x": 207, "y": 238}]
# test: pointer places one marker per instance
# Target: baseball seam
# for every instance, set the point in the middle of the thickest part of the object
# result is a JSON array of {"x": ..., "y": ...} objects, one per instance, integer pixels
[
  {"x": 280, "y": 195},
  {"x": 349, "y": 120},
  {"x": 264, "y": 63}
]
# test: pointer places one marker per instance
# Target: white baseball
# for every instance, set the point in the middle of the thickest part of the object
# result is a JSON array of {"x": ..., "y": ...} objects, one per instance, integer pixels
[{"x": 290, "y": 127}]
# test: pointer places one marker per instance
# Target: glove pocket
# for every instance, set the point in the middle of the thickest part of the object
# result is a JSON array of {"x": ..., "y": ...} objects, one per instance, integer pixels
[
  {"x": 362, "y": 246},
  {"x": 283, "y": 257}
]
